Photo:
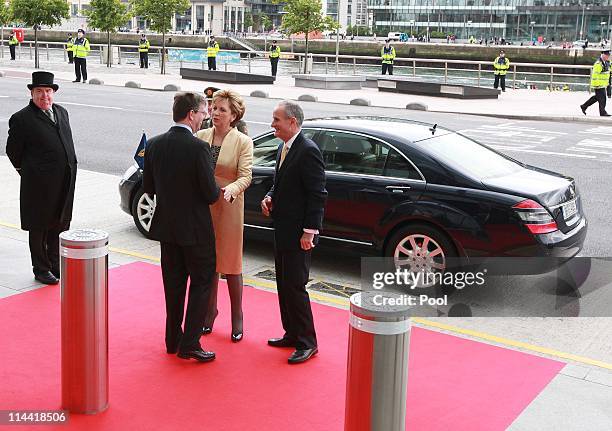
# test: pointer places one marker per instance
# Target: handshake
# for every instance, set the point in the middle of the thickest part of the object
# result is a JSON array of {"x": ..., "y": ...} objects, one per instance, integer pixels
[{"x": 227, "y": 195}]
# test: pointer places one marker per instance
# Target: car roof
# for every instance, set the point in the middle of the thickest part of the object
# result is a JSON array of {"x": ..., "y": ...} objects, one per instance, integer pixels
[{"x": 384, "y": 127}]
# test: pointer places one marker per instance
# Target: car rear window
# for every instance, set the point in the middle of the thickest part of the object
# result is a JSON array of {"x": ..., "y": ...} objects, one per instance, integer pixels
[{"x": 469, "y": 157}]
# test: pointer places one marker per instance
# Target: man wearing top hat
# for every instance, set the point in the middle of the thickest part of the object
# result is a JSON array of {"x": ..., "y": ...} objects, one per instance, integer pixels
[
  {"x": 41, "y": 149},
  {"x": 600, "y": 81}
]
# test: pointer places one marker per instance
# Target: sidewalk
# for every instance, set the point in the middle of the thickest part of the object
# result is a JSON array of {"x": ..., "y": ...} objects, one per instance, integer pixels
[{"x": 513, "y": 104}]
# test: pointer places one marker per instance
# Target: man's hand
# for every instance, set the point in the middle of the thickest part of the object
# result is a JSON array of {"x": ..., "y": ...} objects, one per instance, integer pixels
[
  {"x": 266, "y": 206},
  {"x": 307, "y": 241}
]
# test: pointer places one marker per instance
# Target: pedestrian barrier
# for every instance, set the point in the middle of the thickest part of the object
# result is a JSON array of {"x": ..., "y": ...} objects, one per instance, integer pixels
[
  {"x": 478, "y": 73},
  {"x": 84, "y": 309},
  {"x": 377, "y": 369}
]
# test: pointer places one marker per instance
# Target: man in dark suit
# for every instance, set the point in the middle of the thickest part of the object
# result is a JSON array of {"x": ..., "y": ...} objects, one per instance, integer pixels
[
  {"x": 296, "y": 203},
  {"x": 40, "y": 148},
  {"x": 178, "y": 171}
]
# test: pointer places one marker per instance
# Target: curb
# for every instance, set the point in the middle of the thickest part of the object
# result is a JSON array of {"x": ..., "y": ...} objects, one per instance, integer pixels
[{"x": 591, "y": 120}]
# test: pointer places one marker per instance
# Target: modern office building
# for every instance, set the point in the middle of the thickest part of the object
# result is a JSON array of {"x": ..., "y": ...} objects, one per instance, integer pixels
[{"x": 510, "y": 19}]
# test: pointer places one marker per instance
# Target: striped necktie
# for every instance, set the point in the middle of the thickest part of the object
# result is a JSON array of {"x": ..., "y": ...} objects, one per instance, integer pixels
[
  {"x": 284, "y": 152},
  {"x": 49, "y": 113}
]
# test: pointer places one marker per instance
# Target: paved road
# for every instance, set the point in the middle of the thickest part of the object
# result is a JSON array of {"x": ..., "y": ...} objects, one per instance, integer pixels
[{"x": 107, "y": 123}]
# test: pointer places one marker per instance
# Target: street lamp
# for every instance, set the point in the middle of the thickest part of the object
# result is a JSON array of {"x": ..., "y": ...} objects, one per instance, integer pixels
[
  {"x": 603, "y": 23},
  {"x": 411, "y": 28},
  {"x": 469, "y": 24},
  {"x": 584, "y": 7},
  {"x": 532, "y": 23}
]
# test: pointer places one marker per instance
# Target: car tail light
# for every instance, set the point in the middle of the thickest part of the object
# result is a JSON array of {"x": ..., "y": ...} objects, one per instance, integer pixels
[{"x": 537, "y": 219}]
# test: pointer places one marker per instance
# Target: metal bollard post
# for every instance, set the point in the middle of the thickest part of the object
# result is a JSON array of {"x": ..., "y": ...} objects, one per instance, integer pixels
[
  {"x": 377, "y": 370},
  {"x": 84, "y": 304}
]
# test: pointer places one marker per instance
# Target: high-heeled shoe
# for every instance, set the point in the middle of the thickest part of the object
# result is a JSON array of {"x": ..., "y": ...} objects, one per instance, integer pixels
[
  {"x": 237, "y": 337},
  {"x": 208, "y": 329}
]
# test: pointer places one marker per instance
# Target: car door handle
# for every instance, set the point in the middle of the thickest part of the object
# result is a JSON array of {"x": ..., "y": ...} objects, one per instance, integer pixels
[
  {"x": 398, "y": 189},
  {"x": 258, "y": 180}
]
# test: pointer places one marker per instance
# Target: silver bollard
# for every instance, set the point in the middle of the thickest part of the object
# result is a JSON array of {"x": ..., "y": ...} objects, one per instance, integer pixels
[
  {"x": 84, "y": 303},
  {"x": 377, "y": 370}
]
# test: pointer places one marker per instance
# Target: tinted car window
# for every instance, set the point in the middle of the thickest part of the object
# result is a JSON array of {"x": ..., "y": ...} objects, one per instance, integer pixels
[
  {"x": 265, "y": 148},
  {"x": 469, "y": 157},
  {"x": 398, "y": 167},
  {"x": 346, "y": 152}
]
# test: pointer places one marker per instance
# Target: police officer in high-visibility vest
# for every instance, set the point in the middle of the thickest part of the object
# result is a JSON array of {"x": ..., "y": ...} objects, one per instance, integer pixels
[
  {"x": 70, "y": 48},
  {"x": 387, "y": 53},
  {"x": 501, "y": 66},
  {"x": 81, "y": 49},
  {"x": 274, "y": 56},
  {"x": 211, "y": 51},
  {"x": 143, "y": 51},
  {"x": 600, "y": 82},
  {"x": 13, "y": 42}
]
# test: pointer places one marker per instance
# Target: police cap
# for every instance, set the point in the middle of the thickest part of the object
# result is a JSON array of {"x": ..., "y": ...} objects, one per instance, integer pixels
[
  {"x": 606, "y": 51},
  {"x": 209, "y": 91}
]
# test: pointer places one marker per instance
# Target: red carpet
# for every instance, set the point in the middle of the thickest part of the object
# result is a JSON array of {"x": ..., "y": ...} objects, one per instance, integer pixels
[{"x": 454, "y": 384}]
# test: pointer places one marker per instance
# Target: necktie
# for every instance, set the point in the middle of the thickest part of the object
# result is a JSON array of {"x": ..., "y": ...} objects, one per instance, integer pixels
[
  {"x": 284, "y": 152},
  {"x": 49, "y": 113}
]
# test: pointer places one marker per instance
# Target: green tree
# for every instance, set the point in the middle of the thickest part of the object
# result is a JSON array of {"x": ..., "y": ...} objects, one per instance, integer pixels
[
  {"x": 107, "y": 15},
  {"x": 159, "y": 13},
  {"x": 304, "y": 16},
  {"x": 5, "y": 18},
  {"x": 35, "y": 13},
  {"x": 266, "y": 23},
  {"x": 248, "y": 20}
]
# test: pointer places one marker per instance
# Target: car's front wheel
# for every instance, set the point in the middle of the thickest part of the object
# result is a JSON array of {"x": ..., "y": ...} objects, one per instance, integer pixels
[{"x": 143, "y": 208}]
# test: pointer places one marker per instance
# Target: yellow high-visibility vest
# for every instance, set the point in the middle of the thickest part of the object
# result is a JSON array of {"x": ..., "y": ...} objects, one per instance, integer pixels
[
  {"x": 212, "y": 50},
  {"x": 501, "y": 68},
  {"x": 600, "y": 76},
  {"x": 81, "y": 48},
  {"x": 387, "y": 55}
]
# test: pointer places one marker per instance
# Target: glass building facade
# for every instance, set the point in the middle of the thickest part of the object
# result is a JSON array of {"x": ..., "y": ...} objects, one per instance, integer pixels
[{"x": 515, "y": 20}]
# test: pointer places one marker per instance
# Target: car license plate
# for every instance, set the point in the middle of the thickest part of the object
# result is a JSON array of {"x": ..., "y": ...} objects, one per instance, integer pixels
[{"x": 569, "y": 209}]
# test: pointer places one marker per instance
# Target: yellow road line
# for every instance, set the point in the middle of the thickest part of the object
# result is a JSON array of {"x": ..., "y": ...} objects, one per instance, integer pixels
[
  {"x": 513, "y": 343},
  {"x": 11, "y": 225}
]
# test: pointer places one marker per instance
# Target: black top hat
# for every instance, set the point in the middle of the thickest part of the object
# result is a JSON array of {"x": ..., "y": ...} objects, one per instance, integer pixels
[
  {"x": 606, "y": 51},
  {"x": 42, "y": 79},
  {"x": 209, "y": 91}
]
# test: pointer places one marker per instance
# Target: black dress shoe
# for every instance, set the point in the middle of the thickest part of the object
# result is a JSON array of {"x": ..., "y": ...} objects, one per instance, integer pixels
[
  {"x": 281, "y": 342},
  {"x": 199, "y": 355},
  {"x": 237, "y": 337},
  {"x": 605, "y": 115},
  {"x": 46, "y": 278},
  {"x": 300, "y": 356},
  {"x": 206, "y": 330},
  {"x": 583, "y": 109},
  {"x": 56, "y": 273},
  {"x": 77, "y": 80}
]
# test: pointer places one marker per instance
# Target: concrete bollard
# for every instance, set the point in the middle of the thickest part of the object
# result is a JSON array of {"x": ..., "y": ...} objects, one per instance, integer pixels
[
  {"x": 132, "y": 84},
  {"x": 361, "y": 102},
  {"x": 308, "y": 98},
  {"x": 417, "y": 106},
  {"x": 259, "y": 93},
  {"x": 171, "y": 87},
  {"x": 96, "y": 81}
]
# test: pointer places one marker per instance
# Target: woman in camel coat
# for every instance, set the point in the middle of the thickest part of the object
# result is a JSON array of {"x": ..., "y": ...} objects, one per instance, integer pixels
[{"x": 233, "y": 158}]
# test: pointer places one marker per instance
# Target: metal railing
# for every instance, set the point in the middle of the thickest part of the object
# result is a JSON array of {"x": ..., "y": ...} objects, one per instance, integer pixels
[{"x": 478, "y": 73}]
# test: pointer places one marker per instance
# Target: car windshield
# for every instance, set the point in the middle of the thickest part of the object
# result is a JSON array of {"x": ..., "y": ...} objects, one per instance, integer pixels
[{"x": 469, "y": 157}]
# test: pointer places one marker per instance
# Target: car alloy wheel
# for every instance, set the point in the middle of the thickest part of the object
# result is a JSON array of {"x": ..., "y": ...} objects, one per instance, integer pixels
[{"x": 143, "y": 208}]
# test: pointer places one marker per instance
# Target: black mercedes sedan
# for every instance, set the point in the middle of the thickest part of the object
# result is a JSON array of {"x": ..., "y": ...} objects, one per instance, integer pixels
[{"x": 417, "y": 191}]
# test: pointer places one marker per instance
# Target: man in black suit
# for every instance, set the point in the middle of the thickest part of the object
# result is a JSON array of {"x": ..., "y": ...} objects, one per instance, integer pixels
[
  {"x": 296, "y": 203},
  {"x": 40, "y": 148},
  {"x": 178, "y": 171}
]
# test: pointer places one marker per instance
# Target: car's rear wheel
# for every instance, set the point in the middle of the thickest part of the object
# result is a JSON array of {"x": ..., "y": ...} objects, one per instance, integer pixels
[
  {"x": 143, "y": 208},
  {"x": 421, "y": 248}
]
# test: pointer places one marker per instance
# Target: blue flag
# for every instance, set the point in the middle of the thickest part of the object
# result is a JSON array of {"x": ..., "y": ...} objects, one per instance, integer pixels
[{"x": 140, "y": 151}]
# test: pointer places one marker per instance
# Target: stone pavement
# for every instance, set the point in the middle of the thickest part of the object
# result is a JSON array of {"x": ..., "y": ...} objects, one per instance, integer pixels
[{"x": 513, "y": 104}]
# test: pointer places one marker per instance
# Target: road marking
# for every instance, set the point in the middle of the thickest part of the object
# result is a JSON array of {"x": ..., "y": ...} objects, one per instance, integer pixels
[
  {"x": 552, "y": 153},
  {"x": 600, "y": 130},
  {"x": 513, "y": 343},
  {"x": 588, "y": 150},
  {"x": 595, "y": 143}
]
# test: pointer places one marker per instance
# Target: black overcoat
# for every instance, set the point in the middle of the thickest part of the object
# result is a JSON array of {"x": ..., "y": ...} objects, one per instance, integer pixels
[{"x": 43, "y": 153}]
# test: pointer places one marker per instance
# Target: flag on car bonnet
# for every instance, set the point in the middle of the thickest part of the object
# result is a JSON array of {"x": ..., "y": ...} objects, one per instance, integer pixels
[{"x": 140, "y": 151}]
